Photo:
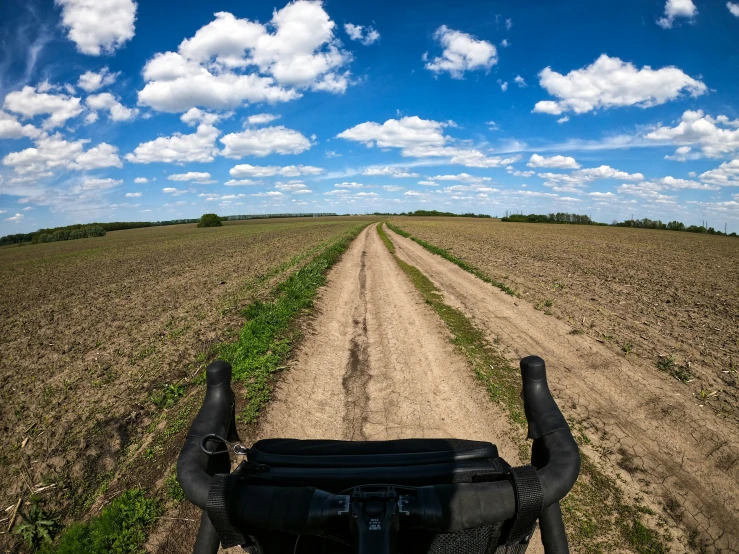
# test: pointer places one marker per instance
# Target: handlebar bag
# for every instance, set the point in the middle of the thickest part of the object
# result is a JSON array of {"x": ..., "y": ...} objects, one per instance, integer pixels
[{"x": 337, "y": 465}]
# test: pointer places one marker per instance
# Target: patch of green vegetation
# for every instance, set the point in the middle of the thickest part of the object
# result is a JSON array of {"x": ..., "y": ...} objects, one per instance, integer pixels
[
  {"x": 456, "y": 261},
  {"x": 598, "y": 518},
  {"x": 266, "y": 339},
  {"x": 549, "y": 303},
  {"x": 173, "y": 487},
  {"x": 679, "y": 372},
  {"x": 643, "y": 539},
  {"x": 210, "y": 220},
  {"x": 666, "y": 363},
  {"x": 119, "y": 529},
  {"x": 626, "y": 348},
  {"x": 168, "y": 395},
  {"x": 177, "y": 424},
  {"x": 595, "y": 512},
  {"x": 37, "y": 526},
  {"x": 142, "y": 354},
  {"x": 383, "y": 235}
]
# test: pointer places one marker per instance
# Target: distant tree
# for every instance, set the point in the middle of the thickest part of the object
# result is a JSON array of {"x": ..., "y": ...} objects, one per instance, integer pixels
[
  {"x": 675, "y": 226},
  {"x": 210, "y": 220}
]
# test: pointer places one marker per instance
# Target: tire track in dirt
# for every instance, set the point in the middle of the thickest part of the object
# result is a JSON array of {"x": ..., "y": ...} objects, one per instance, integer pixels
[
  {"x": 356, "y": 376},
  {"x": 662, "y": 446}
]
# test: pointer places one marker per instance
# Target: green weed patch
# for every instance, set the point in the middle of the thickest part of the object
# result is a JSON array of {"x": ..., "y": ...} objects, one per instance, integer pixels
[{"x": 119, "y": 529}]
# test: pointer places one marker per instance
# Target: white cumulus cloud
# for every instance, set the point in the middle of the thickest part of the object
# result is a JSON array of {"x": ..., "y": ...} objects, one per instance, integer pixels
[
  {"x": 241, "y": 182},
  {"x": 248, "y": 170},
  {"x": 199, "y": 146},
  {"x": 116, "y": 110},
  {"x": 714, "y": 136},
  {"x": 262, "y": 118},
  {"x": 609, "y": 82},
  {"x": 558, "y": 162},
  {"x": 365, "y": 35},
  {"x": 98, "y": 26},
  {"x": 11, "y": 128},
  {"x": 176, "y": 192},
  {"x": 726, "y": 175},
  {"x": 91, "y": 81},
  {"x": 389, "y": 172},
  {"x": 233, "y": 61},
  {"x": 421, "y": 138},
  {"x": 31, "y": 102},
  {"x": 677, "y": 8},
  {"x": 264, "y": 141},
  {"x": 733, "y": 8},
  {"x": 462, "y": 52},
  {"x": 199, "y": 177},
  {"x": 54, "y": 152},
  {"x": 407, "y": 132},
  {"x": 140, "y": 180}
]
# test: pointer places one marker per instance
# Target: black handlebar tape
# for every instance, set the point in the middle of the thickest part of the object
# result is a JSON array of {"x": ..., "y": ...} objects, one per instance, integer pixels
[
  {"x": 207, "y": 541},
  {"x": 284, "y": 509},
  {"x": 194, "y": 467},
  {"x": 553, "y": 535},
  {"x": 554, "y": 452},
  {"x": 469, "y": 505},
  {"x": 542, "y": 412}
]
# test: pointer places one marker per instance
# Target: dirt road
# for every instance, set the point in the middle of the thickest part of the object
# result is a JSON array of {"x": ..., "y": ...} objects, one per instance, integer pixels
[
  {"x": 377, "y": 364},
  {"x": 662, "y": 445}
]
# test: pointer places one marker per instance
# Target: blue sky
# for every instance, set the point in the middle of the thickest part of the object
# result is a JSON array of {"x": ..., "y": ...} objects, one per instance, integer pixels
[{"x": 112, "y": 110}]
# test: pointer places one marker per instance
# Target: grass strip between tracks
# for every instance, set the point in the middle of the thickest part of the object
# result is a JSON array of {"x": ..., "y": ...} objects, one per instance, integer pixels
[
  {"x": 269, "y": 333},
  {"x": 596, "y": 514},
  {"x": 456, "y": 261}
]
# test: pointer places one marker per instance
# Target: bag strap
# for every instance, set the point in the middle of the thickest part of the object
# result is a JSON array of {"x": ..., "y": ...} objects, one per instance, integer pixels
[
  {"x": 217, "y": 508},
  {"x": 529, "y": 503}
]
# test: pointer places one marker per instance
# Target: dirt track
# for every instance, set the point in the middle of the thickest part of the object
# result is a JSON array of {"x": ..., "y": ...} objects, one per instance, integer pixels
[
  {"x": 377, "y": 364},
  {"x": 661, "y": 444}
]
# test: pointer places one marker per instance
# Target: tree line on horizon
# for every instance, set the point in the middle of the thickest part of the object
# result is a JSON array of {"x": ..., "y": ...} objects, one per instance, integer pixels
[{"x": 576, "y": 219}]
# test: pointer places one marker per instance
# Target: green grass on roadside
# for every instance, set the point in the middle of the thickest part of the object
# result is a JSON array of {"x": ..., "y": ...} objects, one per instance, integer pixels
[
  {"x": 119, "y": 529},
  {"x": 456, "y": 261},
  {"x": 267, "y": 337},
  {"x": 596, "y": 515}
]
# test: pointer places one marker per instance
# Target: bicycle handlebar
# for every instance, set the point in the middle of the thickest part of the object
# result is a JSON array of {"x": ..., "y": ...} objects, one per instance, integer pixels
[{"x": 442, "y": 508}]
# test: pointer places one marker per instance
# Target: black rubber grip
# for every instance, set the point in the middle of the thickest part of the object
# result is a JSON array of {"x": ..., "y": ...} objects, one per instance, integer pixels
[
  {"x": 542, "y": 412},
  {"x": 553, "y": 535},
  {"x": 194, "y": 467}
]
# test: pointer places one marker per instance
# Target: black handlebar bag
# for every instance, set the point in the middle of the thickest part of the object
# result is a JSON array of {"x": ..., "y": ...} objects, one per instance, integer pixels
[{"x": 338, "y": 466}]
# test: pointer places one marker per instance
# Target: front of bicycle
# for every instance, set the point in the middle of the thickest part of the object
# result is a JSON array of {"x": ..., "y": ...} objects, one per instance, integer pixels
[{"x": 440, "y": 496}]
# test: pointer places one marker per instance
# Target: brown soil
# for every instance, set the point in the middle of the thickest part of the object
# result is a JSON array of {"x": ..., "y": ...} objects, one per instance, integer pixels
[
  {"x": 650, "y": 292},
  {"x": 89, "y": 328},
  {"x": 676, "y": 455}
]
